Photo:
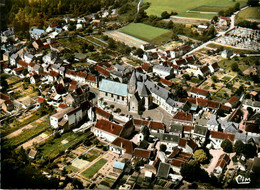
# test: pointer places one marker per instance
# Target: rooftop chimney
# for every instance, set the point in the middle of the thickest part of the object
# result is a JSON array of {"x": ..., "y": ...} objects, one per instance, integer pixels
[{"x": 112, "y": 127}]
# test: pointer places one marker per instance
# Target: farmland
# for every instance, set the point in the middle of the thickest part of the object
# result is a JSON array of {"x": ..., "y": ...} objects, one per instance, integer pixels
[
  {"x": 92, "y": 170},
  {"x": 147, "y": 32},
  {"x": 182, "y": 6}
]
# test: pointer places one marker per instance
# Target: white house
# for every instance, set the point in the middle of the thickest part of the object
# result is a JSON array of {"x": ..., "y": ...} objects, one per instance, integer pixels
[
  {"x": 216, "y": 138},
  {"x": 255, "y": 105},
  {"x": 199, "y": 93},
  {"x": 203, "y": 71},
  {"x": 162, "y": 71},
  {"x": 37, "y": 33}
]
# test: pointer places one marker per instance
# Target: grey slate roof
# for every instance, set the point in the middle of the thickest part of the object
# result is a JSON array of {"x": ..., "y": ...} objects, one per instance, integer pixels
[
  {"x": 142, "y": 89},
  {"x": 176, "y": 128},
  {"x": 163, "y": 170},
  {"x": 200, "y": 130},
  {"x": 165, "y": 137},
  {"x": 231, "y": 128},
  {"x": 158, "y": 90},
  {"x": 213, "y": 120},
  {"x": 141, "y": 77},
  {"x": 14, "y": 56},
  {"x": 252, "y": 103},
  {"x": 113, "y": 87}
]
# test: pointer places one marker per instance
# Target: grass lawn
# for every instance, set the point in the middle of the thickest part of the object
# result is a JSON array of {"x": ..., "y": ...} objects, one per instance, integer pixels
[
  {"x": 54, "y": 146},
  {"x": 205, "y": 8},
  {"x": 181, "y": 6},
  {"x": 92, "y": 170},
  {"x": 249, "y": 13},
  {"x": 147, "y": 32},
  {"x": 72, "y": 169},
  {"x": 27, "y": 134}
]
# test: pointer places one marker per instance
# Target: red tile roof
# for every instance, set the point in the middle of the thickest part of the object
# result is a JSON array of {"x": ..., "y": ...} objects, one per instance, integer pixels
[
  {"x": 222, "y": 161},
  {"x": 199, "y": 91},
  {"x": 182, "y": 142},
  {"x": 53, "y": 74},
  {"x": 221, "y": 135},
  {"x": 102, "y": 71},
  {"x": 186, "y": 47},
  {"x": 91, "y": 78},
  {"x": 32, "y": 64},
  {"x": 233, "y": 100},
  {"x": 19, "y": 69},
  {"x": 140, "y": 122},
  {"x": 39, "y": 42},
  {"x": 204, "y": 69},
  {"x": 22, "y": 63},
  {"x": 188, "y": 128},
  {"x": 103, "y": 113},
  {"x": 175, "y": 67},
  {"x": 190, "y": 58},
  {"x": 62, "y": 105},
  {"x": 4, "y": 97},
  {"x": 167, "y": 82},
  {"x": 146, "y": 66},
  {"x": 180, "y": 61},
  {"x": 177, "y": 162},
  {"x": 124, "y": 144},
  {"x": 235, "y": 116},
  {"x": 183, "y": 116},
  {"x": 40, "y": 100},
  {"x": 175, "y": 153},
  {"x": 109, "y": 127},
  {"x": 73, "y": 82},
  {"x": 70, "y": 72},
  {"x": 215, "y": 66},
  {"x": 82, "y": 74},
  {"x": 191, "y": 143},
  {"x": 156, "y": 125},
  {"x": 225, "y": 108},
  {"x": 252, "y": 127},
  {"x": 73, "y": 87},
  {"x": 138, "y": 152}
]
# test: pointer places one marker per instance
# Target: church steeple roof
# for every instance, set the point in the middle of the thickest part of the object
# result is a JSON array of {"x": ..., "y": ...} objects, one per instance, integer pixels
[
  {"x": 132, "y": 83},
  {"x": 144, "y": 91}
]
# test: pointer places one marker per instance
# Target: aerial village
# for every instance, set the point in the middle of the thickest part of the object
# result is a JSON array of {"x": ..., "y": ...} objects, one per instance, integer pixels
[{"x": 156, "y": 116}]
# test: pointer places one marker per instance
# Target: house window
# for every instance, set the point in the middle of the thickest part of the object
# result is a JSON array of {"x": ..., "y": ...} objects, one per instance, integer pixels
[
  {"x": 106, "y": 93},
  {"x": 123, "y": 98},
  {"x": 112, "y": 95},
  {"x": 118, "y": 97}
]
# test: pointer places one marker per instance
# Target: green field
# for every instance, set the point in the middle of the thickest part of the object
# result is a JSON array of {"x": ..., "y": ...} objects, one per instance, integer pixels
[
  {"x": 205, "y": 8},
  {"x": 181, "y": 6},
  {"x": 92, "y": 170},
  {"x": 53, "y": 147},
  {"x": 249, "y": 13},
  {"x": 147, "y": 32}
]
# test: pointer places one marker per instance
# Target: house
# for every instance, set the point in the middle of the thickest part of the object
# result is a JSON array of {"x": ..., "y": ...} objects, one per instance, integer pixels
[
  {"x": 28, "y": 58},
  {"x": 37, "y": 44},
  {"x": 202, "y": 71},
  {"x": 36, "y": 33},
  {"x": 108, "y": 131},
  {"x": 113, "y": 91},
  {"x": 147, "y": 46},
  {"x": 156, "y": 127},
  {"x": 255, "y": 105},
  {"x": 202, "y": 28},
  {"x": 122, "y": 146},
  {"x": 217, "y": 137},
  {"x": 14, "y": 59},
  {"x": 92, "y": 80},
  {"x": 226, "y": 53},
  {"x": 183, "y": 118},
  {"x": 57, "y": 117},
  {"x": 171, "y": 141},
  {"x": 142, "y": 154},
  {"x": 214, "y": 67},
  {"x": 162, "y": 71},
  {"x": 102, "y": 114},
  {"x": 102, "y": 71},
  {"x": 232, "y": 102},
  {"x": 163, "y": 170},
  {"x": 200, "y": 134},
  {"x": 236, "y": 116},
  {"x": 6, "y": 103},
  {"x": 22, "y": 64},
  {"x": 188, "y": 144},
  {"x": 32, "y": 154},
  {"x": 147, "y": 68},
  {"x": 35, "y": 79},
  {"x": 176, "y": 129},
  {"x": 223, "y": 161},
  {"x": 198, "y": 92},
  {"x": 252, "y": 129},
  {"x": 166, "y": 82},
  {"x": 178, "y": 159}
]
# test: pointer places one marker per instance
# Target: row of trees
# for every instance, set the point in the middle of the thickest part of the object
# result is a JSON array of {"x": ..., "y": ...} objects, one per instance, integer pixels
[{"x": 248, "y": 150}]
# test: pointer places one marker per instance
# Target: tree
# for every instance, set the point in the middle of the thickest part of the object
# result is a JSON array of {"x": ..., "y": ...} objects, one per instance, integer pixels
[
  {"x": 239, "y": 147},
  {"x": 191, "y": 172},
  {"x": 215, "y": 18},
  {"x": 111, "y": 43},
  {"x": 165, "y": 15},
  {"x": 249, "y": 151},
  {"x": 226, "y": 145},
  {"x": 200, "y": 155},
  {"x": 252, "y": 3},
  {"x": 163, "y": 147},
  {"x": 214, "y": 78},
  {"x": 91, "y": 48},
  {"x": 220, "y": 112},
  {"x": 139, "y": 52},
  {"x": 250, "y": 110},
  {"x": 170, "y": 25},
  {"x": 235, "y": 67}
]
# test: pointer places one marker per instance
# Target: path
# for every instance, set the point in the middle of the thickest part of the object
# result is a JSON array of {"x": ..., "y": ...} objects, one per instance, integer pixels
[{"x": 241, "y": 124}]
